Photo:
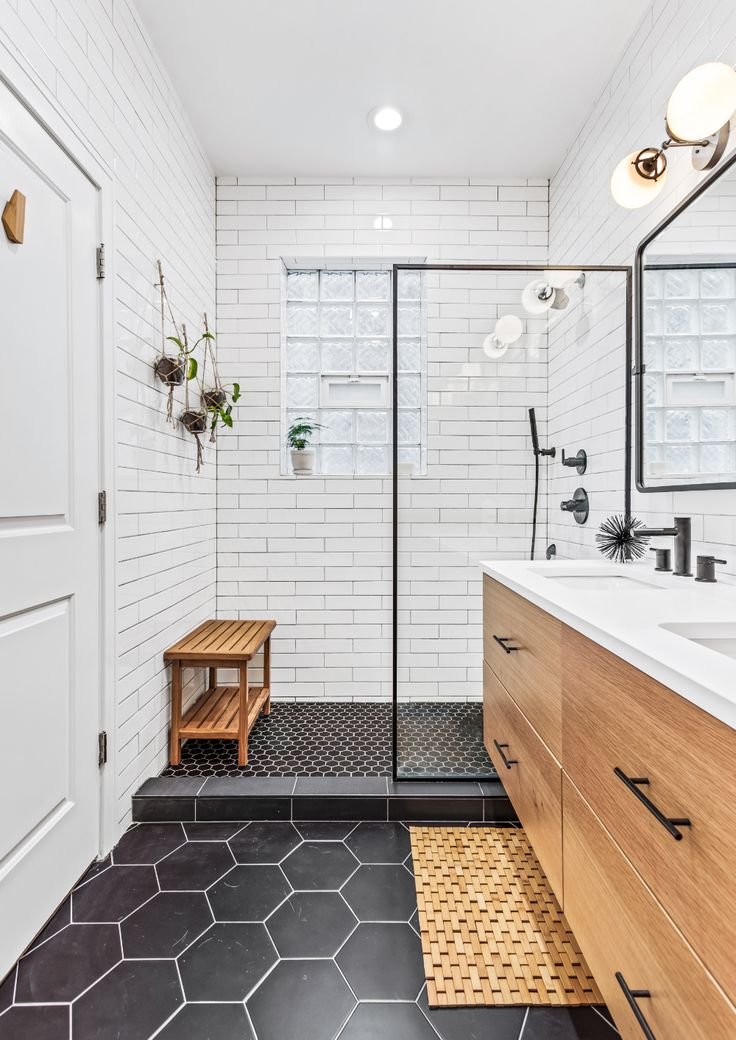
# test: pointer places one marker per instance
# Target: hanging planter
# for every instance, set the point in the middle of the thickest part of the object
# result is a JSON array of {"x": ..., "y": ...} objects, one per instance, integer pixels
[
  {"x": 214, "y": 399},
  {"x": 217, "y": 400},
  {"x": 170, "y": 370},
  {"x": 195, "y": 422}
]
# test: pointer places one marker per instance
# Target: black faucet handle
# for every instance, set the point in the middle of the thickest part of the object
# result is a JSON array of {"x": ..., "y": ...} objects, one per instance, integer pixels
[
  {"x": 662, "y": 559},
  {"x": 705, "y": 568},
  {"x": 578, "y": 461}
]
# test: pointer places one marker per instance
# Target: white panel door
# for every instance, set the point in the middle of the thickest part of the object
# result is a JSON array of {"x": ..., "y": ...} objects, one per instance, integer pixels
[{"x": 49, "y": 537}]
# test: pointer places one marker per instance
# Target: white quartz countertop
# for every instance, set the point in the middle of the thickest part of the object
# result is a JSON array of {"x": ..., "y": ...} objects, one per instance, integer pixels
[{"x": 627, "y": 618}]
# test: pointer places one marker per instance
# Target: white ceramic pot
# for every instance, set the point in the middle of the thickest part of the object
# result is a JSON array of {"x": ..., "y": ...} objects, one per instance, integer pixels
[{"x": 302, "y": 462}]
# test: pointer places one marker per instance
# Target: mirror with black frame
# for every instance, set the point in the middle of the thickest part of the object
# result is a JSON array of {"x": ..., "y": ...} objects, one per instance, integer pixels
[{"x": 685, "y": 370}]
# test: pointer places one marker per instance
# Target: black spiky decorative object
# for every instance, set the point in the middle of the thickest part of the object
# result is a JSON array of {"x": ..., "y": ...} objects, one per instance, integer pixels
[{"x": 621, "y": 539}]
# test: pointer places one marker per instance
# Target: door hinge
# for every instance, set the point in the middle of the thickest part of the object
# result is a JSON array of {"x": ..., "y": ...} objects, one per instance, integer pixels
[
  {"x": 102, "y": 507},
  {"x": 100, "y": 253},
  {"x": 101, "y": 749}
]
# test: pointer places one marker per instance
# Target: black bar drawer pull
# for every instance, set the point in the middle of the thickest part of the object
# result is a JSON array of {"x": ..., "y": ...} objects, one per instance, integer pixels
[
  {"x": 633, "y": 782},
  {"x": 502, "y": 641},
  {"x": 508, "y": 762},
  {"x": 632, "y": 996}
]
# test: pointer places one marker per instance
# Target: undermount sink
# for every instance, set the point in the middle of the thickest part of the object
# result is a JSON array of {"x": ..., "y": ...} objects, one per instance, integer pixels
[
  {"x": 717, "y": 635},
  {"x": 601, "y": 581}
]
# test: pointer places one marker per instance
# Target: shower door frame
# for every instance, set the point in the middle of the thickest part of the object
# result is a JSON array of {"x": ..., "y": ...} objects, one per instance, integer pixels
[{"x": 627, "y": 271}]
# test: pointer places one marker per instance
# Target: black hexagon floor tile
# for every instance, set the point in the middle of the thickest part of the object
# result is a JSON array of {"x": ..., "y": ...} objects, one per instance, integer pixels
[
  {"x": 572, "y": 1023},
  {"x": 67, "y": 964},
  {"x": 383, "y": 962},
  {"x": 304, "y": 995},
  {"x": 212, "y": 831},
  {"x": 35, "y": 1023},
  {"x": 380, "y": 842},
  {"x": 226, "y": 962},
  {"x": 7, "y": 989},
  {"x": 196, "y": 865},
  {"x": 249, "y": 892},
  {"x": 498, "y": 1023},
  {"x": 59, "y": 920},
  {"x": 381, "y": 892},
  {"x": 319, "y": 865},
  {"x": 311, "y": 924},
  {"x": 325, "y": 830},
  {"x": 208, "y": 1022},
  {"x": 129, "y": 1003},
  {"x": 149, "y": 844},
  {"x": 166, "y": 925},
  {"x": 371, "y": 1021},
  {"x": 301, "y": 1000},
  {"x": 113, "y": 894},
  {"x": 265, "y": 842},
  {"x": 436, "y": 739}
]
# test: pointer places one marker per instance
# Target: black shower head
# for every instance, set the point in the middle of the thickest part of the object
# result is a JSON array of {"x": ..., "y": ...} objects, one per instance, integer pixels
[
  {"x": 535, "y": 437},
  {"x": 533, "y": 424}
]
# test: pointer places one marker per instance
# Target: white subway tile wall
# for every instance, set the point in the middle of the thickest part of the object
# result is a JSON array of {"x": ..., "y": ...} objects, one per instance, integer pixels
[
  {"x": 315, "y": 552},
  {"x": 586, "y": 226},
  {"x": 94, "y": 62}
]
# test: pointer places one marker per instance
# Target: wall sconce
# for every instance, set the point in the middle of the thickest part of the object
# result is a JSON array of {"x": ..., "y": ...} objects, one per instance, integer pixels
[
  {"x": 548, "y": 293},
  {"x": 697, "y": 117},
  {"x": 508, "y": 330}
]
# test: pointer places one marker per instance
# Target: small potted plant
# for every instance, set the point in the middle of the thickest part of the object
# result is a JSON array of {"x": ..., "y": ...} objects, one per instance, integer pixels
[
  {"x": 298, "y": 437},
  {"x": 218, "y": 403}
]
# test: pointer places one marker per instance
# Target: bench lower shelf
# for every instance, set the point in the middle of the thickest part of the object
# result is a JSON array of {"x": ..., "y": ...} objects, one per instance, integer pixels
[{"x": 216, "y": 715}]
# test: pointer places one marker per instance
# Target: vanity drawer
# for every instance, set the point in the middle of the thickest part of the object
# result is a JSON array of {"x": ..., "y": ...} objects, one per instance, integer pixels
[
  {"x": 531, "y": 672},
  {"x": 617, "y": 718},
  {"x": 622, "y": 929},
  {"x": 529, "y": 773}
]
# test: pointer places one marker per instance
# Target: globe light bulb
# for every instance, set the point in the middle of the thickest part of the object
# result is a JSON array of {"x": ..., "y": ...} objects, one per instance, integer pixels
[
  {"x": 702, "y": 102},
  {"x": 629, "y": 188},
  {"x": 508, "y": 329}
]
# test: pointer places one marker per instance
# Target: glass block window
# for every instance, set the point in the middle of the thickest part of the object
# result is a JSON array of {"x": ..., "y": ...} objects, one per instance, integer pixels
[
  {"x": 336, "y": 368},
  {"x": 690, "y": 371}
]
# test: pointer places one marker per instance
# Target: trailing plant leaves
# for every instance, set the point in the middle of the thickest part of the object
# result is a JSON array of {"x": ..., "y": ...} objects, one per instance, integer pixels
[
  {"x": 227, "y": 419},
  {"x": 236, "y": 392},
  {"x": 180, "y": 345},
  {"x": 192, "y": 368}
]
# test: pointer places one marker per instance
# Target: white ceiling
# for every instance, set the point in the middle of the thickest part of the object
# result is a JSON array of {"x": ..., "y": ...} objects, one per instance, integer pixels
[{"x": 487, "y": 87}]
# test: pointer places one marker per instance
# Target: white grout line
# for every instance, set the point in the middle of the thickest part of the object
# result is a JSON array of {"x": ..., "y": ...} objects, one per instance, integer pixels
[{"x": 523, "y": 1024}]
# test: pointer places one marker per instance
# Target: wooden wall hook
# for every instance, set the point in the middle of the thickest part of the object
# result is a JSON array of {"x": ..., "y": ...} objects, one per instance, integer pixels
[{"x": 14, "y": 216}]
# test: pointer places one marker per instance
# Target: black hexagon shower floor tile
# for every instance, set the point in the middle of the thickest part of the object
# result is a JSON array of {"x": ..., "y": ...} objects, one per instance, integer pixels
[
  {"x": 260, "y": 931},
  {"x": 435, "y": 739}
]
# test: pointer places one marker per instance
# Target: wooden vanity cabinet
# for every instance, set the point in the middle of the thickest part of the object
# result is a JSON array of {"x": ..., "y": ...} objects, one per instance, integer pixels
[
  {"x": 529, "y": 772},
  {"x": 522, "y": 645},
  {"x": 624, "y": 789}
]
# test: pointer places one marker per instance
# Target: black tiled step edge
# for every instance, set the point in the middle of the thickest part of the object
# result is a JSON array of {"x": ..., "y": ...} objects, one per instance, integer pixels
[{"x": 319, "y": 798}]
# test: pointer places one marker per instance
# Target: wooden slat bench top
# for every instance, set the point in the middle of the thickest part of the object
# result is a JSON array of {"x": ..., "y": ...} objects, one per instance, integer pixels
[{"x": 220, "y": 642}]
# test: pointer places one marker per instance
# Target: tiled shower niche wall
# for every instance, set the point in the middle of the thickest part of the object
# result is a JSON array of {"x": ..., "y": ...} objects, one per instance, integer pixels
[{"x": 689, "y": 356}]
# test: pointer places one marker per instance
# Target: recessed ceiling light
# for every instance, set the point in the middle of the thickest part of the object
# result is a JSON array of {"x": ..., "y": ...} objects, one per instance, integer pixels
[{"x": 385, "y": 117}]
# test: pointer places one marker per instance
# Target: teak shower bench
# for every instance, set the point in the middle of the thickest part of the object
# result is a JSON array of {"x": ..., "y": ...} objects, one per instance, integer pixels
[{"x": 222, "y": 712}]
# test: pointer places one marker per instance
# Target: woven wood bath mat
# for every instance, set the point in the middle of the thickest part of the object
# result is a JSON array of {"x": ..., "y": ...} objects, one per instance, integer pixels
[{"x": 492, "y": 931}]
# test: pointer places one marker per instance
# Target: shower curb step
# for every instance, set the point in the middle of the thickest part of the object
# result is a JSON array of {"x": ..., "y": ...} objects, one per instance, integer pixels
[{"x": 166, "y": 798}]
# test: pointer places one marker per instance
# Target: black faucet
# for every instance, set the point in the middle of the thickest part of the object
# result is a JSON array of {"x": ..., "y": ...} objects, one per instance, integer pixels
[{"x": 682, "y": 535}]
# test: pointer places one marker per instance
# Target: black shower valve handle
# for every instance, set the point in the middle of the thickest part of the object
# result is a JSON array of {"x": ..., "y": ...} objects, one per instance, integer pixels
[{"x": 579, "y": 461}]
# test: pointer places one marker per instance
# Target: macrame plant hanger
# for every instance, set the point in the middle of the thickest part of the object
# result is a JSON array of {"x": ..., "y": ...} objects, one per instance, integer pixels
[
  {"x": 216, "y": 393},
  {"x": 164, "y": 305}
]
